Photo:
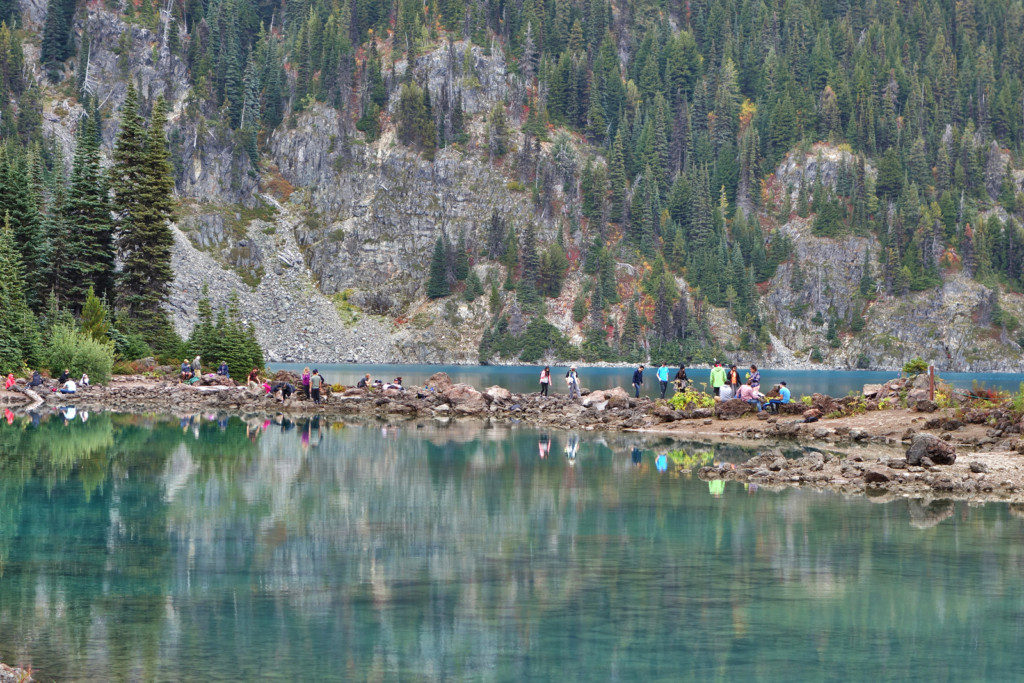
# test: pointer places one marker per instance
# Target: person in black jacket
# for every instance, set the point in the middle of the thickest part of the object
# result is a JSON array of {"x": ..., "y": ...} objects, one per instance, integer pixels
[
  {"x": 680, "y": 380},
  {"x": 638, "y": 379}
]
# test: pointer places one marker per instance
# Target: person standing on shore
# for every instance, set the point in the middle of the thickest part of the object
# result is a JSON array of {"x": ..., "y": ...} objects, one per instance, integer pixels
[
  {"x": 315, "y": 381},
  {"x": 663, "y": 379},
  {"x": 734, "y": 379},
  {"x": 638, "y": 380},
  {"x": 305, "y": 382},
  {"x": 754, "y": 377},
  {"x": 681, "y": 380},
  {"x": 545, "y": 380},
  {"x": 572, "y": 378},
  {"x": 717, "y": 378}
]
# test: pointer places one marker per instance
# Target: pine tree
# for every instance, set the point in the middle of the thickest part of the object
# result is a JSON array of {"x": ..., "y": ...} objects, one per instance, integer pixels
[
  {"x": 19, "y": 335},
  {"x": 94, "y": 317},
  {"x": 437, "y": 284},
  {"x": 19, "y": 199},
  {"x": 87, "y": 254},
  {"x": 57, "y": 44},
  {"x": 142, "y": 183}
]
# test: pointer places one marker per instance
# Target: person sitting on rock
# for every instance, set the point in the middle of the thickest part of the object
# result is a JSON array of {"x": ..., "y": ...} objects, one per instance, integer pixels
[
  {"x": 69, "y": 387},
  {"x": 10, "y": 382},
  {"x": 64, "y": 376},
  {"x": 749, "y": 394},
  {"x": 37, "y": 379},
  {"x": 186, "y": 370},
  {"x": 784, "y": 394},
  {"x": 363, "y": 382},
  {"x": 725, "y": 392},
  {"x": 253, "y": 380},
  {"x": 84, "y": 381},
  {"x": 223, "y": 370}
]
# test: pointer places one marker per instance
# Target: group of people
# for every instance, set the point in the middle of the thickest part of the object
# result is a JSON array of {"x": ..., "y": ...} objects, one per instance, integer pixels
[
  {"x": 365, "y": 382},
  {"x": 680, "y": 381},
  {"x": 65, "y": 384},
  {"x": 726, "y": 385}
]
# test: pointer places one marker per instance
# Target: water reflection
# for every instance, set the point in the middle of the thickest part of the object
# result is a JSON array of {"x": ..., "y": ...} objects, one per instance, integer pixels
[{"x": 210, "y": 547}]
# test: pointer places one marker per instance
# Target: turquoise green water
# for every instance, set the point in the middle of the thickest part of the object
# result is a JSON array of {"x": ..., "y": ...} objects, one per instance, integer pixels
[{"x": 136, "y": 548}]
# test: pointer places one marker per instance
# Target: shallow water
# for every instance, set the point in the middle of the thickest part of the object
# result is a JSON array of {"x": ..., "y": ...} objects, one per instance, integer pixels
[
  {"x": 524, "y": 378},
  {"x": 202, "y": 549}
]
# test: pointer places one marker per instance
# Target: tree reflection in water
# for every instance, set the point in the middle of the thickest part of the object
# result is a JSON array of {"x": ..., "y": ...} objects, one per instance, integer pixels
[{"x": 206, "y": 547}]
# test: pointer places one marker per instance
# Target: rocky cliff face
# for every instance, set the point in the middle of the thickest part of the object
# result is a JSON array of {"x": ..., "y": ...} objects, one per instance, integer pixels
[{"x": 328, "y": 243}]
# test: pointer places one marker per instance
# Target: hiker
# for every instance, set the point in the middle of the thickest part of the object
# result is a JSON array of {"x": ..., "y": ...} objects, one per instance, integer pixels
[
  {"x": 197, "y": 368},
  {"x": 186, "y": 370},
  {"x": 285, "y": 388},
  {"x": 784, "y": 394},
  {"x": 84, "y": 381},
  {"x": 10, "y": 381},
  {"x": 315, "y": 381},
  {"x": 545, "y": 380},
  {"x": 37, "y": 379},
  {"x": 69, "y": 387},
  {"x": 64, "y": 376},
  {"x": 663, "y": 379},
  {"x": 363, "y": 382},
  {"x": 754, "y": 377},
  {"x": 681, "y": 381},
  {"x": 638, "y": 380},
  {"x": 733, "y": 379},
  {"x": 253, "y": 380},
  {"x": 749, "y": 394},
  {"x": 725, "y": 393},
  {"x": 223, "y": 369},
  {"x": 305, "y": 382},
  {"x": 396, "y": 383},
  {"x": 572, "y": 379},
  {"x": 717, "y": 378}
]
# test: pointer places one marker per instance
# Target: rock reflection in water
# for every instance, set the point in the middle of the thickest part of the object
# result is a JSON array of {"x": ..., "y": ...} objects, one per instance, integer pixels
[{"x": 207, "y": 547}]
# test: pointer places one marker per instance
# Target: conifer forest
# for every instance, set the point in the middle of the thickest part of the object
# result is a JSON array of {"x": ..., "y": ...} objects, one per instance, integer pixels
[{"x": 803, "y": 183}]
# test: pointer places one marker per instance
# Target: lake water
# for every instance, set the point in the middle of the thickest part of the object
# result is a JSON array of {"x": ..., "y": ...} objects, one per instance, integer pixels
[
  {"x": 524, "y": 378},
  {"x": 215, "y": 549}
]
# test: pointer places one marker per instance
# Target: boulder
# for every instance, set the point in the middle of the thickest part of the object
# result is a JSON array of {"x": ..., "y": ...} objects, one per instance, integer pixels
[
  {"x": 871, "y": 390},
  {"x": 732, "y": 409},
  {"x": 875, "y": 477},
  {"x": 617, "y": 398},
  {"x": 665, "y": 413},
  {"x": 465, "y": 399},
  {"x": 928, "y": 446},
  {"x": 978, "y": 467},
  {"x": 825, "y": 404},
  {"x": 812, "y": 415},
  {"x": 439, "y": 382},
  {"x": 925, "y": 406},
  {"x": 499, "y": 394}
]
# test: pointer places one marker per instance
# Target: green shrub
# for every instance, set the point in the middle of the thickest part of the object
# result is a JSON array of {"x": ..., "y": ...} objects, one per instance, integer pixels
[
  {"x": 79, "y": 353},
  {"x": 129, "y": 345},
  {"x": 915, "y": 366},
  {"x": 698, "y": 399}
]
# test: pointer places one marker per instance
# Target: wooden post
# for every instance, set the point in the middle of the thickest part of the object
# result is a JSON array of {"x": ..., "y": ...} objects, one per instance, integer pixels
[{"x": 931, "y": 382}]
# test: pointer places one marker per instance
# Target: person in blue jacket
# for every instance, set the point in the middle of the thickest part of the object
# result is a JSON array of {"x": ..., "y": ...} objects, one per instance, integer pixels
[{"x": 784, "y": 394}]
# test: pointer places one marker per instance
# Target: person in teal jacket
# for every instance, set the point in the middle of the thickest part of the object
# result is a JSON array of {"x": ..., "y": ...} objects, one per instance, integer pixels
[{"x": 663, "y": 379}]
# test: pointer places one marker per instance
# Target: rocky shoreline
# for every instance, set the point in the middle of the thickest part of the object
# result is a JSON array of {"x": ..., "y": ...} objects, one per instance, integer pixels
[
  {"x": 10, "y": 674},
  {"x": 969, "y": 448}
]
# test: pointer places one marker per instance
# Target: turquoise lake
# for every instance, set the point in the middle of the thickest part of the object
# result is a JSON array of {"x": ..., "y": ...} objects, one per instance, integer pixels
[
  {"x": 209, "y": 548},
  {"x": 525, "y": 378}
]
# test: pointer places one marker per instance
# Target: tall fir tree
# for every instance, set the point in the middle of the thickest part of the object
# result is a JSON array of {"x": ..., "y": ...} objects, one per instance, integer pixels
[{"x": 143, "y": 184}]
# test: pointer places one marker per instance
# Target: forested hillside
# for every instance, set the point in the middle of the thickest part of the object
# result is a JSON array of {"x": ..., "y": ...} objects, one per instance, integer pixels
[{"x": 791, "y": 182}]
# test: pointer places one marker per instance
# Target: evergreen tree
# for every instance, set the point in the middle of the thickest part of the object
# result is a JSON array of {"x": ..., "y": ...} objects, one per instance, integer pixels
[
  {"x": 87, "y": 253},
  {"x": 437, "y": 284},
  {"x": 94, "y": 317},
  {"x": 19, "y": 335},
  {"x": 142, "y": 183},
  {"x": 57, "y": 43}
]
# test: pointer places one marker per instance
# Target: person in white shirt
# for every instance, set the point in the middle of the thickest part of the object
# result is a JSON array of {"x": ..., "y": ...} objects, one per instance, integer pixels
[
  {"x": 69, "y": 387},
  {"x": 85, "y": 380}
]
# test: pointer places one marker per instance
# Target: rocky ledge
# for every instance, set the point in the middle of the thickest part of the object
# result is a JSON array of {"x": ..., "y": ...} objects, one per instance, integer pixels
[{"x": 929, "y": 468}]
